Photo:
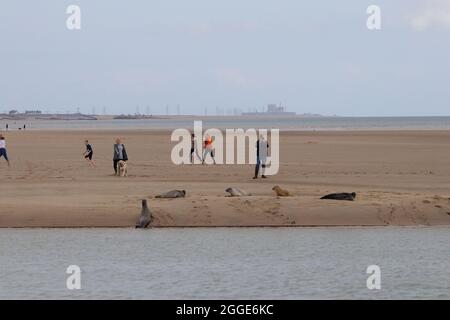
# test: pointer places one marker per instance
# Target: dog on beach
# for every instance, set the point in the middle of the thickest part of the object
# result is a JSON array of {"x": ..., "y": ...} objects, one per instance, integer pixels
[
  {"x": 281, "y": 192},
  {"x": 122, "y": 168}
]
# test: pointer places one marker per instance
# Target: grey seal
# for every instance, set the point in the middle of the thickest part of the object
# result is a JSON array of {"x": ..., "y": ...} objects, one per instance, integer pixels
[
  {"x": 235, "y": 192},
  {"x": 172, "y": 194},
  {"x": 340, "y": 196},
  {"x": 145, "y": 218}
]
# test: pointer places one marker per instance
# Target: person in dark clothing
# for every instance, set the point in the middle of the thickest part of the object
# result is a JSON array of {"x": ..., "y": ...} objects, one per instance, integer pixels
[
  {"x": 89, "y": 153},
  {"x": 262, "y": 150},
  {"x": 120, "y": 154},
  {"x": 194, "y": 149}
]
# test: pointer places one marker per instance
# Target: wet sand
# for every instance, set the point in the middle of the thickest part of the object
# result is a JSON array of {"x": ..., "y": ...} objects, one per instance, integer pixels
[{"x": 400, "y": 177}]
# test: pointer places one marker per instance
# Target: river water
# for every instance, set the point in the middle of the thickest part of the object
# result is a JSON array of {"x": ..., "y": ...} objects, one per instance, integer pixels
[
  {"x": 226, "y": 263},
  {"x": 245, "y": 122}
]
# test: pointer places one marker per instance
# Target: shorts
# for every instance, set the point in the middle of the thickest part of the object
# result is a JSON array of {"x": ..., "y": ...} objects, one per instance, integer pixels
[
  {"x": 89, "y": 156},
  {"x": 3, "y": 153}
]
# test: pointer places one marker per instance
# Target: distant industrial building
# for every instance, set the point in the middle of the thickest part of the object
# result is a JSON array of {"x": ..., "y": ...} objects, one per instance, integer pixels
[{"x": 272, "y": 109}]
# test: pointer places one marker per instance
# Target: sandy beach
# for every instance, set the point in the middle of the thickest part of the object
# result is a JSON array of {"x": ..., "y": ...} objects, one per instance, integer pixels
[{"x": 400, "y": 177}]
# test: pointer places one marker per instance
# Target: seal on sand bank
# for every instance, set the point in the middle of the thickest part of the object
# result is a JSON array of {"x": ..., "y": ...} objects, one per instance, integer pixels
[
  {"x": 340, "y": 196},
  {"x": 145, "y": 218},
  {"x": 235, "y": 192},
  {"x": 280, "y": 192},
  {"x": 172, "y": 194}
]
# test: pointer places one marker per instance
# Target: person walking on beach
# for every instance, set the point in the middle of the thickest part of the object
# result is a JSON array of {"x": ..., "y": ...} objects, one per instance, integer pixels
[
  {"x": 3, "y": 152},
  {"x": 194, "y": 149},
  {"x": 7, "y": 127},
  {"x": 208, "y": 145},
  {"x": 120, "y": 154},
  {"x": 262, "y": 150},
  {"x": 89, "y": 153}
]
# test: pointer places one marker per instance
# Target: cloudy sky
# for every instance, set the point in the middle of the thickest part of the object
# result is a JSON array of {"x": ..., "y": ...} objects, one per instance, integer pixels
[{"x": 312, "y": 56}]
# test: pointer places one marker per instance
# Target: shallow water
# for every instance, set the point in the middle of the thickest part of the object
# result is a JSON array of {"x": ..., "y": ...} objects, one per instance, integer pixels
[
  {"x": 220, "y": 263},
  {"x": 245, "y": 122}
]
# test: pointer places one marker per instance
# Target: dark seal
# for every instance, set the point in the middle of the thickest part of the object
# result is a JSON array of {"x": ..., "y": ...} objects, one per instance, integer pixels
[{"x": 340, "y": 196}]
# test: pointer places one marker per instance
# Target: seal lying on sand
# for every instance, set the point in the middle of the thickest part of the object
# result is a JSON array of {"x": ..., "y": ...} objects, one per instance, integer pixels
[
  {"x": 172, "y": 194},
  {"x": 280, "y": 192},
  {"x": 340, "y": 196},
  {"x": 145, "y": 218},
  {"x": 235, "y": 192}
]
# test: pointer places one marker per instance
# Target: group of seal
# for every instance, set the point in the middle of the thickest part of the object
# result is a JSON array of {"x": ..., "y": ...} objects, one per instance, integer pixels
[
  {"x": 236, "y": 192},
  {"x": 146, "y": 217}
]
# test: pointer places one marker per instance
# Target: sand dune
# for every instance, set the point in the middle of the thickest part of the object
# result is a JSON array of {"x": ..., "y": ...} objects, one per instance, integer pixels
[{"x": 401, "y": 178}]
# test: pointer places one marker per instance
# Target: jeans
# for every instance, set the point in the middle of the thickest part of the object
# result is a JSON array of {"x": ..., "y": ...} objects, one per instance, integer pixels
[
  {"x": 258, "y": 164},
  {"x": 3, "y": 153}
]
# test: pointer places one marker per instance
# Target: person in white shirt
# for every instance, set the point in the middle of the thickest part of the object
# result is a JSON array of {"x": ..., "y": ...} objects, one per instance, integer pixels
[{"x": 3, "y": 152}]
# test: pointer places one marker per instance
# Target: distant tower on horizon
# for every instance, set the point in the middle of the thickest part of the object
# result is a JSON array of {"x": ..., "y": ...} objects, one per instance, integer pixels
[{"x": 272, "y": 109}]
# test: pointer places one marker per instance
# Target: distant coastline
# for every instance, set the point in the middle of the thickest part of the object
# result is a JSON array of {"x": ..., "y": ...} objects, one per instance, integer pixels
[
  {"x": 298, "y": 122},
  {"x": 41, "y": 116},
  {"x": 80, "y": 116}
]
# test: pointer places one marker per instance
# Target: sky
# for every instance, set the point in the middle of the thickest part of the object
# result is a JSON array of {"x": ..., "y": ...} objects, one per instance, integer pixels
[{"x": 144, "y": 55}]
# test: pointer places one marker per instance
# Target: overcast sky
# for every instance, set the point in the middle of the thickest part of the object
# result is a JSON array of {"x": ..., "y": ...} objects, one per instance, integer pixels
[{"x": 312, "y": 56}]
